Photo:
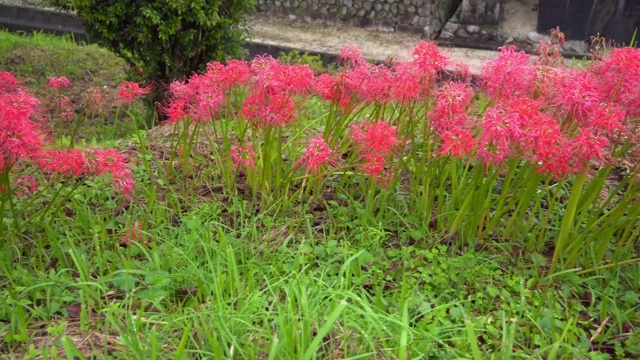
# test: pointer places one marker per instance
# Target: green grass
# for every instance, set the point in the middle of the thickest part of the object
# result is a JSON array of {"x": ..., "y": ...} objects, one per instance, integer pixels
[
  {"x": 221, "y": 279},
  {"x": 223, "y": 282},
  {"x": 36, "y": 57}
]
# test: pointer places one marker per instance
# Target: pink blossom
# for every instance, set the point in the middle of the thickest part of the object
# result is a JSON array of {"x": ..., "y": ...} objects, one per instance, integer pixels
[
  {"x": 242, "y": 156},
  {"x": 130, "y": 91},
  {"x": 59, "y": 82},
  {"x": 316, "y": 154},
  {"x": 510, "y": 75}
]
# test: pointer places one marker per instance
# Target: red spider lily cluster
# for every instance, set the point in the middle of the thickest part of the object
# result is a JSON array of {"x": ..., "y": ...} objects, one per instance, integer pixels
[
  {"x": 23, "y": 142},
  {"x": 557, "y": 118}
]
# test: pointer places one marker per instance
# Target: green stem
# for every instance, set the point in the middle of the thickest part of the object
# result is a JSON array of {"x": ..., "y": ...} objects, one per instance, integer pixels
[{"x": 567, "y": 223}]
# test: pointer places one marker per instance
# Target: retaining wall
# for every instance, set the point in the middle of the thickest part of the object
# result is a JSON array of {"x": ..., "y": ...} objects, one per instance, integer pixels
[{"x": 427, "y": 17}]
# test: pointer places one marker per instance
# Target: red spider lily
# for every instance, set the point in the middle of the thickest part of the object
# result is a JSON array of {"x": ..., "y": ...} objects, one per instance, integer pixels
[
  {"x": 351, "y": 56},
  {"x": 94, "y": 97},
  {"x": 607, "y": 118},
  {"x": 316, "y": 154},
  {"x": 457, "y": 142},
  {"x": 332, "y": 89},
  {"x": 548, "y": 54},
  {"x": 510, "y": 75},
  {"x": 575, "y": 92},
  {"x": 372, "y": 83},
  {"x": 66, "y": 107},
  {"x": 242, "y": 156},
  {"x": 21, "y": 139},
  {"x": 7, "y": 82},
  {"x": 428, "y": 60},
  {"x": 235, "y": 72},
  {"x": 544, "y": 137},
  {"x": 450, "y": 111},
  {"x": 462, "y": 73},
  {"x": 588, "y": 146},
  {"x": 373, "y": 164},
  {"x": 176, "y": 110},
  {"x": 295, "y": 79},
  {"x": 25, "y": 185},
  {"x": 556, "y": 160},
  {"x": 59, "y": 82},
  {"x": 263, "y": 110},
  {"x": 378, "y": 137},
  {"x": 19, "y": 135},
  {"x": 180, "y": 90},
  {"x": 71, "y": 162},
  {"x": 130, "y": 91},
  {"x": 97, "y": 162},
  {"x": 200, "y": 98},
  {"x": 404, "y": 85},
  {"x": 492, "y": 153},
  {"x": 206, "y": 104},
  {"x": 619, "y": 78},
  {"x": 273, "y": 77},
  {"x": 502, "y": 131},
  {"x": 111, "y": 161}
]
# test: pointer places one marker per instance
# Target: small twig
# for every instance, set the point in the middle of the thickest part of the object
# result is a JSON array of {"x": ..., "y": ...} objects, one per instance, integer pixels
[{"x": 599, "y": 330}]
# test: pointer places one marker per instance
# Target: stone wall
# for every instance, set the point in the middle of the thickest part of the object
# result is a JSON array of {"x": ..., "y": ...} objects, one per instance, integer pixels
[
  {"x": 427, "y": 17},
  {"x": 475, "y": 19}
]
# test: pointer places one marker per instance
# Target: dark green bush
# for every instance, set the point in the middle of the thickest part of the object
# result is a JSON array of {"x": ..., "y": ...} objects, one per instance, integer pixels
[{"x": 165, "y": 40}]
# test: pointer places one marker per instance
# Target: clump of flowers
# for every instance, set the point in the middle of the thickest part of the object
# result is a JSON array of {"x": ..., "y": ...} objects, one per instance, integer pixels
[
  {"x": 375, "y": 141},
  {"x": 23, "y": 142}
]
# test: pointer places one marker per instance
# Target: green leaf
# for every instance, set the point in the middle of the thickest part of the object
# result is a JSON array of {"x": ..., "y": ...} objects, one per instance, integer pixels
[
  {"x": 124, "y": 281},
  {"x": 152, "y": 294},
  {"x": 158, "y": 279}
]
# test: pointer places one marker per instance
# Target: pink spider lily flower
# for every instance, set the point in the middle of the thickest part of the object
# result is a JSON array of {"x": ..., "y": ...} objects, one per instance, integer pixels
[
  {"x": 130, "y": 91},
  {"x": 242, "y": 157},
  {"x": 457, "y": 143},
  {"x": 452, "y": 103},
  {"x": 510, "y": 75},
  {"x": 378, "y": 137},
  {"x": 25, "y": 185},
  {"x": 428, "y": 61},
  {"x": 8, "y": 82},
  {"x": 59, "y": 82},
  {"x": 111, "y": 161},
  {"x": 263, "y": 110},
  {"x": 71, "y": 162},
  {"x": 19, "y": 135},
  {"x": 351, "y": 56},
  {"x": 316, "y": 155}
]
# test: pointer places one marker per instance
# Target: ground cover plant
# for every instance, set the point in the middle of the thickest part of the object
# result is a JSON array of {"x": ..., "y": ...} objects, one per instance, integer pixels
[{"x": 380, "y": 211}]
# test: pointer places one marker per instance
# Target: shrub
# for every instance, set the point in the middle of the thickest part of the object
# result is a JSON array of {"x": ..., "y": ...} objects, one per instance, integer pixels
[
  {"x": 165, "y": 40},
  {"x": 294, "y": 57}
]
